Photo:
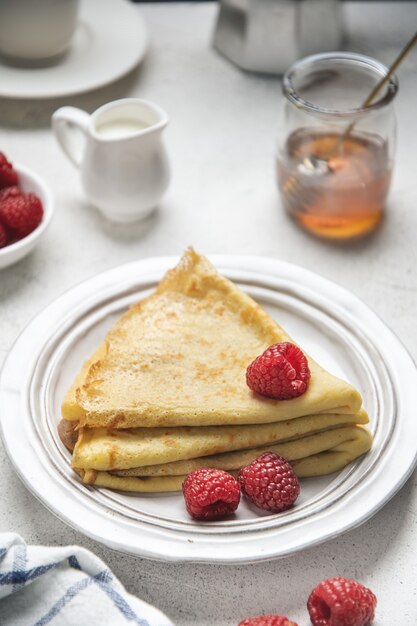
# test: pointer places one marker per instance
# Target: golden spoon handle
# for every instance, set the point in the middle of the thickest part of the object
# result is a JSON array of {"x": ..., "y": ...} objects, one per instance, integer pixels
[
  {"x": 375, "y": 92},
  {"x": 391, "y": 71}
]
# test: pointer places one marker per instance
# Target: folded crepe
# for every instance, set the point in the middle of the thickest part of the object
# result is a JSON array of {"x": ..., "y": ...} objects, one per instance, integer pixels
[
  {"x": 179, "y": 357},
  {"x": 166, "y": 393},
  {"x": 314, "y": 455},
  {"x": 353, "y": 440},
  {"x": 108, "y": 449}
]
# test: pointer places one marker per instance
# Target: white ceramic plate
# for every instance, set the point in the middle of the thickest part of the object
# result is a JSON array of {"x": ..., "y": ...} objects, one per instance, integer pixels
[
  {"x": 110, "y": 40},
  {"x": 334, "y": 326}
]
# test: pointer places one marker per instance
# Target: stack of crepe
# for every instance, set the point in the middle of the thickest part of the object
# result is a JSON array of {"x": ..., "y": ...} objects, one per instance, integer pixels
[{"x": 166, "y": 393}]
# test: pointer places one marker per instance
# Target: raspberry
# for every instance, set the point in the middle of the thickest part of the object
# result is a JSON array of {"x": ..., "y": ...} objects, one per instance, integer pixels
[
  {"x": 210, "y": 494},
  {"x": 281, "y": 372},
  {"x": 4, "y": 237},
  {"x": 10, "y": 192},
  {"x": 21, "y": 213},
  {"x": 8, "y": 175},
  {"x": 270, "y": 482},
  {"x": 267, "y": 620},
  {"x": 341, "y": 602}
]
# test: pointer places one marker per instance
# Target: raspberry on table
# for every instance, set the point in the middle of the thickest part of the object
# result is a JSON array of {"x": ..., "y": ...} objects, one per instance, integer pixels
[
  {"x": 267, "y": 620},
  {"x": 8, "y": 175},
  {"x": 4, "y": 237},
  {"x": 21, "y": 214},
  {"x": 270, "y": 482},
  {"x": 210, "y": 494},
  {"x": 281, "y": 372},
  {"x": 341, "y": 602}
]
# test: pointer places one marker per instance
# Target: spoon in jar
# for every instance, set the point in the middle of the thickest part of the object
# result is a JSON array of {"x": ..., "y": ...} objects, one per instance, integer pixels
[{"x": 321, "y": 166}]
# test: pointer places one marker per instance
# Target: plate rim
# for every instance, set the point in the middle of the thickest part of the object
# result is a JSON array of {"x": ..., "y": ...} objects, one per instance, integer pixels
[
  {"x": 143, "y": 37},
  {"x": 259, "y": 265}
]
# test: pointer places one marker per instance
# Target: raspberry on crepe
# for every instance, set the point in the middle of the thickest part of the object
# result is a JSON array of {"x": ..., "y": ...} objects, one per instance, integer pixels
[{"x": 280, "y": 372}]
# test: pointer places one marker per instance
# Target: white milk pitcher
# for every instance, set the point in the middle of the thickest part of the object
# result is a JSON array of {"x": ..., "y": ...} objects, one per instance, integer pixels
[{"x": 124, "y": 166}]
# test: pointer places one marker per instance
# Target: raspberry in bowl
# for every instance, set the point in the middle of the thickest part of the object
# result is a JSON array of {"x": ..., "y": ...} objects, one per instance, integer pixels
[{"x": 26, "y": 215}]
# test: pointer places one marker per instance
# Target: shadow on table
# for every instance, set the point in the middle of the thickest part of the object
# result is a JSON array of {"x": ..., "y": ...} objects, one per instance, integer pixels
[{"x": 125, "y": 233}]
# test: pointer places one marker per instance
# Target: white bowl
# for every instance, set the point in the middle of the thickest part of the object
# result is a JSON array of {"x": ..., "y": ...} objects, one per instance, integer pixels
[{"x": 29, "y": 182}]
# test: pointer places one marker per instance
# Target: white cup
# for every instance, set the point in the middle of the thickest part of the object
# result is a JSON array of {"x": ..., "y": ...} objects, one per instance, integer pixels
[
  {"x": 36, "y": 29},
  {"x": 123, "y": 163}
]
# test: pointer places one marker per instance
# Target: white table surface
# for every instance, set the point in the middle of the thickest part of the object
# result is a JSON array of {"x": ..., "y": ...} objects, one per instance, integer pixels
[{"x": 223, "y": 200}]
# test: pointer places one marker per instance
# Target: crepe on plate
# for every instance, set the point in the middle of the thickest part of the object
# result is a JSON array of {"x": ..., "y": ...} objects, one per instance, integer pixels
[
  {"x": 179, "y": 357},
  {"x": 347, "y": 444},
  {"x": 167, "y": 386}
]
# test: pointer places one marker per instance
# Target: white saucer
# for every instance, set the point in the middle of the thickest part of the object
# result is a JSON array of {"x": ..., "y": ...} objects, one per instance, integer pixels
[
  {"x": 333, "y": 325},
  {"x": 110, "y": 40}
]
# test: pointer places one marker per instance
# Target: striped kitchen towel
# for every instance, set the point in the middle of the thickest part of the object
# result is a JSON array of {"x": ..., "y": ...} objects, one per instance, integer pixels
[{"x": 68, "y": 586}]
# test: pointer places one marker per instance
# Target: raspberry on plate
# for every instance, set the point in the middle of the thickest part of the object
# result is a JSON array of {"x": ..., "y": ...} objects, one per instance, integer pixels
[
  {"x": 8, "y": 175},
  {"x": 341, "y": 602},
  {"x": 21, "y": 213},
  {"x": 281, "y": 372},
  {"x": 210, "y": 494},
  {"x": 270, "y": 482},
  {"x": 4, "y": 237},
  {"x": 267, "y": 620}
]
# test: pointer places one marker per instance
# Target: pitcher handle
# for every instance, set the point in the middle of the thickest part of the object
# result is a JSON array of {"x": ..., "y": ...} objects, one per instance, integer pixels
[{"x": 64, "y": 120}]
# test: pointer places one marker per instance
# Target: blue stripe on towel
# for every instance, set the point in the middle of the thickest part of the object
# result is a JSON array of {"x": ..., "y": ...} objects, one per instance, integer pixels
[
  {"x": 23, "y": 576},
  {"x": 104, "y": 577},
  {"x": 59, "y": 576},
  {"x": 19, "y": 564},
  {"x": 73, "y": 591},
  {"x": 73, "y": 561},
  {"x": 102, "y": 580},
  {"x": 121, "y": 603}
]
